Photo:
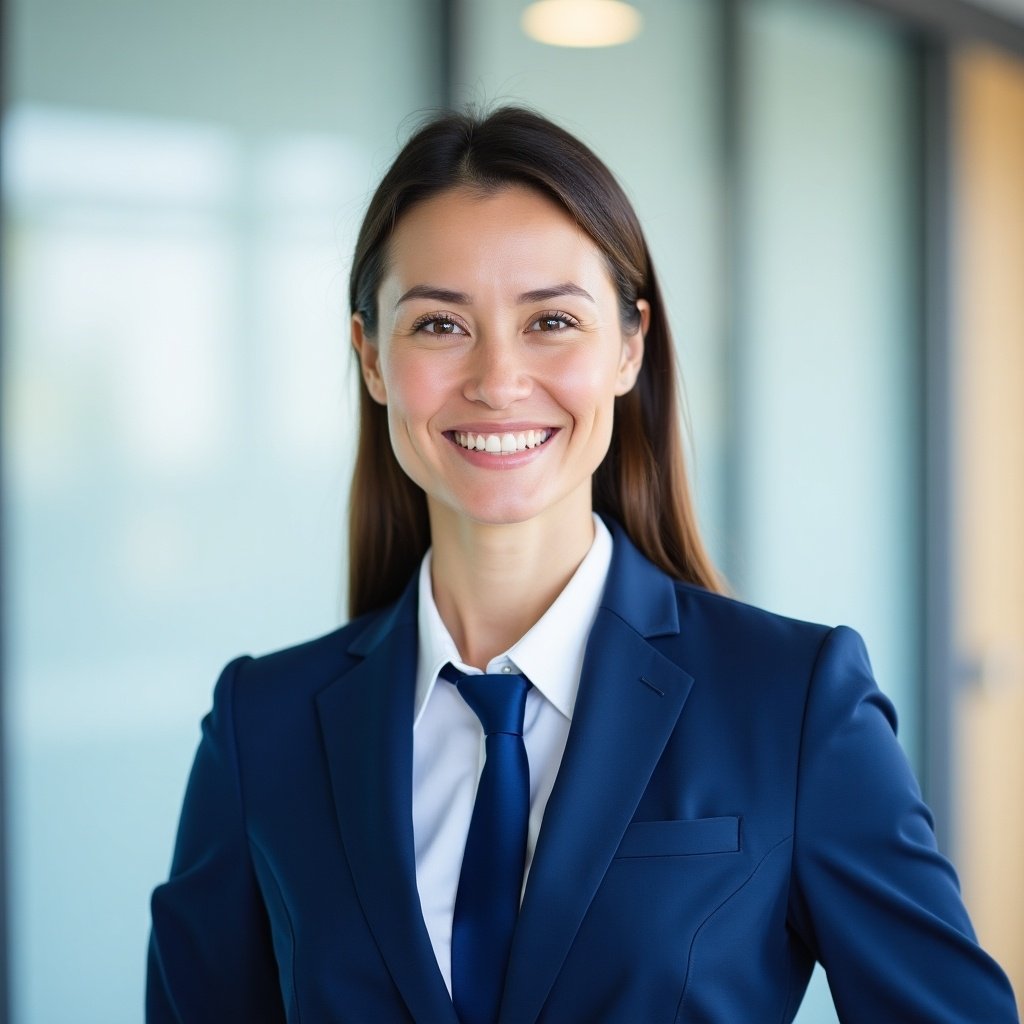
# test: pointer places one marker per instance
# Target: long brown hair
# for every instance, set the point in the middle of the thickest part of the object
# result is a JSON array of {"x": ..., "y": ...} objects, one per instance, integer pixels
[{"x": 642, "y": 480}]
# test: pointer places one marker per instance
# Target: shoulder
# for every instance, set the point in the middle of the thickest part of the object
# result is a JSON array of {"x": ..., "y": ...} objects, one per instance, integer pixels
[
  {"x": 697, "y": 620},
  {"x": 774, "y": 668},
  {"x": 727, "y": 620},
  {"x": 767, "y": 662},
  {"x": 737, "y": 648}
]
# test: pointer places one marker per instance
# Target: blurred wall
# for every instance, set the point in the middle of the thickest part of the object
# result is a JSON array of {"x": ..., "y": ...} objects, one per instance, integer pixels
[{"x": 829, "y": 381}]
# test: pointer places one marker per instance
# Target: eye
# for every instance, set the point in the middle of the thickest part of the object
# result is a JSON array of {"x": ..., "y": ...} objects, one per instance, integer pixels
[
  {"x": 438, "y": 323},
  {"x": 553, "y": 321}
]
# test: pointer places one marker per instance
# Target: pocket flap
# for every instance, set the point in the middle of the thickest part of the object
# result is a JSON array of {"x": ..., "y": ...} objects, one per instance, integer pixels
[{"x": 680, "y": 838}]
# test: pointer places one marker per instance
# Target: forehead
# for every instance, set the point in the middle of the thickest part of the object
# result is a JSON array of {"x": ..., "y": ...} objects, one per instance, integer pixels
[{"x": 515, "y": 238}]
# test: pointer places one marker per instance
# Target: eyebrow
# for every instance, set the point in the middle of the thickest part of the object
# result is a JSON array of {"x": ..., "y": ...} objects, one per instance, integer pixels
[
  {"x": 565, "y": 288},
  {"x": 429, "y": 291}
]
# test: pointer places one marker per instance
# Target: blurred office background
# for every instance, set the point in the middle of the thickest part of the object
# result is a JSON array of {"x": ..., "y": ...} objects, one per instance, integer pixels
[{"x": 834, "y": 195}]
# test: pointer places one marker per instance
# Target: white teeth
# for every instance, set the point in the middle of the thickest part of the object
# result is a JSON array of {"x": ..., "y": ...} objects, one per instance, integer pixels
[{"x": 501, "y": 444}]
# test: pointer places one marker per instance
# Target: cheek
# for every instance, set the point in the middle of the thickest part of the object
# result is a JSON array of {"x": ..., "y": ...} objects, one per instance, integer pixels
[
  {"x": 587, "y": 387},
  {"x": 415, "y": 385}
]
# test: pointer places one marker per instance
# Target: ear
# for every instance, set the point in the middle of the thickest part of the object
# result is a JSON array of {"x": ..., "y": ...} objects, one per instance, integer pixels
[
  {"x": 632, "y": 357},
  {"x": 369, "y": 360}
]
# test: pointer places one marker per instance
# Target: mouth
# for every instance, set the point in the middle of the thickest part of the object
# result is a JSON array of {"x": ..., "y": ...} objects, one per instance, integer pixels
[{"x": 506, "y": 443}]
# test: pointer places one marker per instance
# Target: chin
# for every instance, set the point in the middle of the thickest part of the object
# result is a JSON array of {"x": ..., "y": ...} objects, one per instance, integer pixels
[
  {"x": 501, "y": 507},
  {"x": 498, "y": 513},
  {"x": 494, "y": 507}
]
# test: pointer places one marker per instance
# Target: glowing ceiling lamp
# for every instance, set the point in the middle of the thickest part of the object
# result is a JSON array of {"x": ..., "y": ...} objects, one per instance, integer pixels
[{"x": 581, "y": 22}]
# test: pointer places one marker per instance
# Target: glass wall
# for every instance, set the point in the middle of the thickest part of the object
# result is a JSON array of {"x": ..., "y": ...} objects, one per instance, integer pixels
[
  {"x": 829, "y": 382},
  {"x": 183, "y": 182}
]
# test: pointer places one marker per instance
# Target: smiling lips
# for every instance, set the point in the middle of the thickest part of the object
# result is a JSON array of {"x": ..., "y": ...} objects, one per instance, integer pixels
[{"x": 500, "y": 444}]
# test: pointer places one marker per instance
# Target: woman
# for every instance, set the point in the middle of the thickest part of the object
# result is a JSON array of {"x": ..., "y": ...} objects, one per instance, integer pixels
[{"x": 693, "y": 800}]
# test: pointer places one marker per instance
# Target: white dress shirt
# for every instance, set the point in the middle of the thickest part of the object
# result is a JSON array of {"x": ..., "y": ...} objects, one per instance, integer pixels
[{"x": 448, "y": 740}]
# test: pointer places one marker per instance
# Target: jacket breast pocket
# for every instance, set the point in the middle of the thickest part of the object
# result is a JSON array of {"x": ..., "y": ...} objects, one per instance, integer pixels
[{"x": 680, "y": 838}]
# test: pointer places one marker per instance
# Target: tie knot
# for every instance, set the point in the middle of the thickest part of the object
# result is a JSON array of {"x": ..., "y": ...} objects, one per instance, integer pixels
[{"x": 499, "y": 700}]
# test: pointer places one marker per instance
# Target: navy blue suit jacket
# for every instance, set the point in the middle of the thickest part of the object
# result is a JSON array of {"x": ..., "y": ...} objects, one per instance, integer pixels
[{"x": 732, "y": 805}]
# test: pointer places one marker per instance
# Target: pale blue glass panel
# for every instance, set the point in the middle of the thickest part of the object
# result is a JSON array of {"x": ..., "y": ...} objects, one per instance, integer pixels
[
  {"x": 182, "y": 186},
  {"x": 830, "y": 393},
  {"x": 828, "y": 396}
]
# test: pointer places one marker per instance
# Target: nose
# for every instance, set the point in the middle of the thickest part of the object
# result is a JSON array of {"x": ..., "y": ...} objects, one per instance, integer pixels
[{"x": 497, "y": 374}]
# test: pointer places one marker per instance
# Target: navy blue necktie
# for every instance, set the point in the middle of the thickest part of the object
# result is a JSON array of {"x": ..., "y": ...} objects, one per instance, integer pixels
[{"x": 491, "y": 881}]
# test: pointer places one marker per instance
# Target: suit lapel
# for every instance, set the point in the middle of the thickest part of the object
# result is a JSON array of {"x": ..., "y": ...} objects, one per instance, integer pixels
[
  {"x": 629, "y": 700},
  {"x": 366, "y": 721}
]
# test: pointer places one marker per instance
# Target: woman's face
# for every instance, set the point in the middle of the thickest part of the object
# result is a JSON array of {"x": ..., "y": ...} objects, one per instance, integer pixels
[{"x": 499, "y": 355}]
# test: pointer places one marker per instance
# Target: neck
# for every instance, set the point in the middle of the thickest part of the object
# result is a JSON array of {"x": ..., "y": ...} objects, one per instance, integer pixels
[{"x": 492, "y": 583}]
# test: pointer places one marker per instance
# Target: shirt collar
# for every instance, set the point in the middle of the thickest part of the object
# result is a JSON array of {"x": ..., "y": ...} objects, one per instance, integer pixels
[{"x": 551, "y": 652}]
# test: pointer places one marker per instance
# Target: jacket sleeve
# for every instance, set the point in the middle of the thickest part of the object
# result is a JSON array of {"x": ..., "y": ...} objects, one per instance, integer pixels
[
  {"x": 872, "y": 897},
  {"x": 210, "y": 953}
]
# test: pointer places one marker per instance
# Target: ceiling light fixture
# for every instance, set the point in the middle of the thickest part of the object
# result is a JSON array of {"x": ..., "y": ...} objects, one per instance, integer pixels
[{"x": 581, "y": 22}]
